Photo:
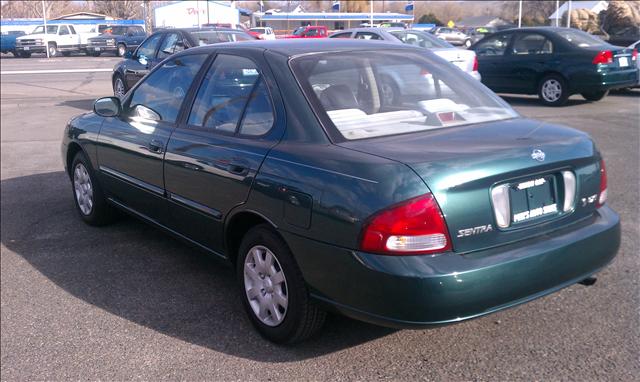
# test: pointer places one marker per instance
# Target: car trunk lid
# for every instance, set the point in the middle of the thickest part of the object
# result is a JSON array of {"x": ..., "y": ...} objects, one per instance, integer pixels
[{"x": 463, "y": 165}]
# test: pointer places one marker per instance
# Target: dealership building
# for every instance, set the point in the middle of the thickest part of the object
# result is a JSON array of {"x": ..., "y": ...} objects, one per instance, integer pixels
[{"x": 286, "y": 21}]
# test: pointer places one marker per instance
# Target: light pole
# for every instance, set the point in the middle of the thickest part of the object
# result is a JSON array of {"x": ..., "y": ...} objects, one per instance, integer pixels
[{"x": 44, "y": 19}]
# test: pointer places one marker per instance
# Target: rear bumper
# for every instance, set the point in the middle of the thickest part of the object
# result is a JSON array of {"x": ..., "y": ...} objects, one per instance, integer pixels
[
  {"x": 419, "y": 291},
  {"x": 602, "y": 81}
]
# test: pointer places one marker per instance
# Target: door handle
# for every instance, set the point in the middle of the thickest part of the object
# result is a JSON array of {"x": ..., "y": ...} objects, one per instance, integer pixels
[
  {"x": 238, "y": 167},
  {"x": 155, "y": 146}
]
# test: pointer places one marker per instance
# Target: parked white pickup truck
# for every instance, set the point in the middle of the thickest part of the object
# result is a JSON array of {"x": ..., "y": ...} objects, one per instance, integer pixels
[{"x": 59, "y": 39}]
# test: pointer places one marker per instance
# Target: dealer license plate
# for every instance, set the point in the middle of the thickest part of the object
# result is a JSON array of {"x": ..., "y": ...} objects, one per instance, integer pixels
[
  {"x": 26, "y": 48},
  {"x": 533, "y": 199},
  {"x": 623, "y": 61}
]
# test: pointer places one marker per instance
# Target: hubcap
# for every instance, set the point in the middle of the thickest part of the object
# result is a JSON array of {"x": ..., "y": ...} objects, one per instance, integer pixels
[
  {"x": 83, "y": 189},
  {"x": 551, "y": 90},
  {"x": 118, "y": 88},
  {"x": 52, "y": 50},
  {"x": 265, "y": 286},
  {"x": 121, "y": 50}
]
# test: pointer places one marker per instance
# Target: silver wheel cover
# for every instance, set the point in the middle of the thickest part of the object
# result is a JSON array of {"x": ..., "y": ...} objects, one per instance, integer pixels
[
  {"x": 118, "y": 88},
  {"x": 265, "y": 286},
  {"x": 83, "y": 189},
  {"x": 551, "y": 90}
]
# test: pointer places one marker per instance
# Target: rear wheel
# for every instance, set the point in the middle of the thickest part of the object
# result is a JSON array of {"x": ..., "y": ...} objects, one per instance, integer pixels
[
  {"x": 553, "y": 90},
  {"x": 95, "y": 54},
  {"x": 274, "y": 293},
  {"x": 89, "y": 199},
  {"x": 121, "y": 50},
  {"x": 53, "y": 49},
  {"x": 595, "y": 96}
]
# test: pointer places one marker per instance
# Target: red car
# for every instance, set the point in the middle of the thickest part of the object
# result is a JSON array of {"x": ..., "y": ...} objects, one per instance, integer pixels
[{"x": 309, "y": 31}]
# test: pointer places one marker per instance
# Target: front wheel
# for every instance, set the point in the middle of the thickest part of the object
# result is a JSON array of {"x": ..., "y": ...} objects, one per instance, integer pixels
[
  {"x": 121, "y": 50},
  {"x": 274, "y": 293},
  {"x": 553, "y": 90},
  {"x": 53, "y": 50},
  {"x": 595, "y": 96}
]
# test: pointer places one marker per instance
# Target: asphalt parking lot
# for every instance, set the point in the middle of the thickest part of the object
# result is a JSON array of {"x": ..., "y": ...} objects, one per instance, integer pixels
[{"x": 128, "y": 302}]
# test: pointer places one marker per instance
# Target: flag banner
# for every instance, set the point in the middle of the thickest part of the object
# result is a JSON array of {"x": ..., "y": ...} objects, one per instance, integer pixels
[
  {"x": 336, "y": 6},
  {"x": 409, "y": 6}
]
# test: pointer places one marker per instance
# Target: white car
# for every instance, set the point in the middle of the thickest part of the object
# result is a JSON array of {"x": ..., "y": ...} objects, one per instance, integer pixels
[
  {"x": 263, "y": 33},
  {"x": 464, "y": 59},
  {"x": 58, "y": 39}
]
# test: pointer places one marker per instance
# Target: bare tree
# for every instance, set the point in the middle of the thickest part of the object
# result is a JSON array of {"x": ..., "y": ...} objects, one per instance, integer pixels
[
  {"x": 122, "y": 9},
  {"x": 33, "y": 9}
]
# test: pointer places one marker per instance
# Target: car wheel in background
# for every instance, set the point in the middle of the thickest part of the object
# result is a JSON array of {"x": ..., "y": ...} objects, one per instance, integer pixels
[
  {"x": 53, "y": 49},
  {"x": 553, "y": 90},
  {"x": 88, "y": 196},
  {"x": 595, "y": 96},
  {"x": 119, "y": 87},
  {"x": 389, "y": 91},
  {"x": 122, "y": 49},
  {"x": 274, "y": 293},
  {"x": 95, "y": 54}
]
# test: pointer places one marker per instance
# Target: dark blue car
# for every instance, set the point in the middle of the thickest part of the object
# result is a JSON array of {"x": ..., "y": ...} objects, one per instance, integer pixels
[
  {"x": 8, "y": 41},
  {"x": 116, "y": 39}
]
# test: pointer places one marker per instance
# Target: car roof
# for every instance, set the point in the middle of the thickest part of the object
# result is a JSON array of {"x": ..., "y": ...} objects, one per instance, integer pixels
[
  {"x": 537, "y": 29},
  {"x": 298, "y": 47}
]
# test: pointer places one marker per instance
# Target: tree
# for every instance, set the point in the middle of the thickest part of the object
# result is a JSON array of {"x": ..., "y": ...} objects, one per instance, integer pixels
[
  {"x": 429, "y": 18},
  {"x": 122, "y": 9}
]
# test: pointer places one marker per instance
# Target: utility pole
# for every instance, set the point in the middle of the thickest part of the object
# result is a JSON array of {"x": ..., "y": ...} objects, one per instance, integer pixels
[
  {"x": 520, "y": 14},
  {"x": 569, "y": 16},
  {"x": 557, "y": 15},
  {"x": 44, "y": 19}
]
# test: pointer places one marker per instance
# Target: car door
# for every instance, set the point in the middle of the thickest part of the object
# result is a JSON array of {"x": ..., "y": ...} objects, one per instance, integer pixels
[
  {"x": 491, "y": 60},
  {"x": 131, "y": 146},
  {"x": 65, "y": 38},
  {"x": 142, "y": 60},
  {"x": 213, "y": 158},
  {"x": 530, "y": 55}
]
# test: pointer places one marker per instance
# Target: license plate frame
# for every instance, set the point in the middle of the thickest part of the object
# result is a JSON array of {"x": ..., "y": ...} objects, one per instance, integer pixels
[
  {"x": 97, "y": 48},
  {"x": 26, "y": 48},
  {"x": 533, "y": 200}
]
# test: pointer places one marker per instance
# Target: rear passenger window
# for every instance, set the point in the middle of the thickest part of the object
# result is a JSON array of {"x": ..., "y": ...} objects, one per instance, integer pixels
[
  {"x": 341, "y": 35},
  {"x": 233, "y": 87},
  {"x": 531, "y": 44},
  {"x": 367, "y": 36}
]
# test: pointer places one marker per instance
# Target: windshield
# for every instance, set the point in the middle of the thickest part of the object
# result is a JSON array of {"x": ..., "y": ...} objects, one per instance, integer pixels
[
  {"x": 298, "y": 31},
  {"x": 370, "y": 94},
  {"x": 580, "y": 38},
  {"x": 51, "y": 29},
  {"x": 422, "y": 39},
  {"x": 115, "y": 30}
]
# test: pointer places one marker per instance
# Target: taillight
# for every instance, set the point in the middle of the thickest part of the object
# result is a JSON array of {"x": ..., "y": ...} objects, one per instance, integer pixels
[
  {"x": 603, "y": 57},
  {"x": 602, "y": 198},
  {"x": 634, "y": 54},
  {"x": 410, "y": 228},
  {"x": 475, "y": 64}
]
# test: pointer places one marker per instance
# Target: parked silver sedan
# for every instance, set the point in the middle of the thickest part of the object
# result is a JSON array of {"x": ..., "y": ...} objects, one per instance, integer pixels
[
  {"x": 453, "y": 36},
  {"x": 464, "y": 59}
]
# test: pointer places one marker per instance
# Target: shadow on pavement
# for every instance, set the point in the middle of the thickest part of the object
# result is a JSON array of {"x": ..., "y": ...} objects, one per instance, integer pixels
[
  {"x": 142, "y": 275},
  {"x": 534, "y": 101},
  {"x": 82, "y": 104}
]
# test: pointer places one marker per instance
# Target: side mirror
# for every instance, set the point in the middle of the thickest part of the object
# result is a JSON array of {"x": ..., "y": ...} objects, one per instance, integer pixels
[
  {"x": 107, "y": 107},
  {"x": 128, "y": 54},
  {"x": 142, "y": 59}
]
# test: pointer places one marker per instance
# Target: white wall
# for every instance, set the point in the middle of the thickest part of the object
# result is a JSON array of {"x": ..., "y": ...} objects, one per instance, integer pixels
[{"x": 187, "y": 14}]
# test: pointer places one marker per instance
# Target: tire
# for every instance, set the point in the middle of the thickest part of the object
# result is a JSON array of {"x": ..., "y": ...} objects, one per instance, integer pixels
[
  {"x": 122, "y": 49},
  {"x": 91, "y": 204},
  {"x": 53, "y": 49},
  {"x": 25, "y": 54},
  {"x": 553, "y": 90},
  {"x": 275, "y": 285},
  {"x": 66, "y": 54},
  {"x": 119, "y": 86},
  {"x": 389, "y": 92},
  {"x": 595, "y": 96}
]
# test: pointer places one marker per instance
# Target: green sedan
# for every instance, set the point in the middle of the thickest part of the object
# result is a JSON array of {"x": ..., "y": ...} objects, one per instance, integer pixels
[
  {"x": 554, "y": 63},
  {"x": 290, "y": 162}
]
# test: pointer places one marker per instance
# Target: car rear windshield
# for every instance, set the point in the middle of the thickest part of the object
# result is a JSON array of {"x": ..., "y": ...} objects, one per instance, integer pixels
[
  {"x": 214, "y": 37},
  {"x": 366, "y": 94},
  {"x": 422, "y": 39},
  {"x": 580, "y": 38}
]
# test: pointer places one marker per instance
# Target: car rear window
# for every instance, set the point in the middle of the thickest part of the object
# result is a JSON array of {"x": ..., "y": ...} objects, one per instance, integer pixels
[
  {"x": 579, "y": 38},
  {"x": 366, "y": 94}
]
